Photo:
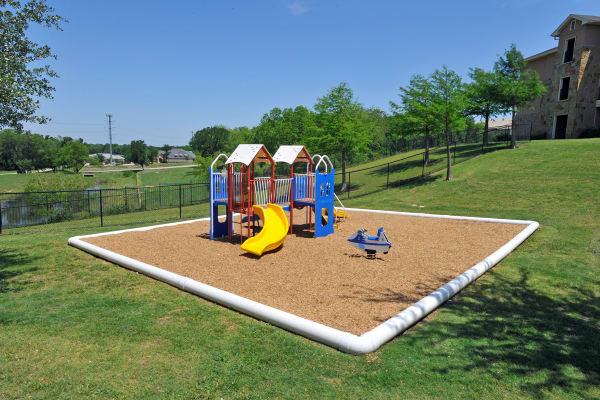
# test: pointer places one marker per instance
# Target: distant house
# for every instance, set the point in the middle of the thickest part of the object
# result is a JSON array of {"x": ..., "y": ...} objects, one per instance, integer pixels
[
  {"x": 117, "y": 159},
  {"x": 500, "y": 123},
  {"x": 571, "y": 73},
  {"x": 175, "y": 155}
]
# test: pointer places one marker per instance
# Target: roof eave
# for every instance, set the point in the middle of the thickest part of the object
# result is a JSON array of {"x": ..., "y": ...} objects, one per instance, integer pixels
[
  {"x": 584, "y": 21},
  {"x": 542, "y": 54}
]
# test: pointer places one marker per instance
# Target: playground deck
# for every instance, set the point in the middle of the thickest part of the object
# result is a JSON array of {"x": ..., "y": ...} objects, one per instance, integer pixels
[{"x": 325, "y": 279}]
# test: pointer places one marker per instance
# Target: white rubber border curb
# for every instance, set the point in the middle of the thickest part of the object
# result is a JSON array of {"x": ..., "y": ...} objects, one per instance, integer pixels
[{"x": 344, "y": 341}]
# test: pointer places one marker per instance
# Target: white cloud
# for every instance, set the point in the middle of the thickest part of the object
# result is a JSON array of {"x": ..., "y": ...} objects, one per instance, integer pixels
[{"x": 298, "y": 7}]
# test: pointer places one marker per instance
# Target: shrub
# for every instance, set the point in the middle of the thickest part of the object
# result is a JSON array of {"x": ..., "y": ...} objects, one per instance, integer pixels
[
  {"x": 590, "y": 133},
  {"x": 44, "y": 182}
]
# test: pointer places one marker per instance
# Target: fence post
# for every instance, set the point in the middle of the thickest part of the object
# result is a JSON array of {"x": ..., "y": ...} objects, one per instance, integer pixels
[
  {"x": 101, "y": 211},
  {"x": 47, "y": 209},
  {"x": 0, "y": 216},
  {"x": 126, "y": 199},
  {"x": 348, "y": 190},
  {"x": 387, "y": 185},
  {"x": 89, "y": 204},
  {"x": 180, "y": 201}
]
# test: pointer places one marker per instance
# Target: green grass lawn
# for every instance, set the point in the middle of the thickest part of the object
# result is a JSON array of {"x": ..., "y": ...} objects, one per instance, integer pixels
[{"x": 74, "y": 326}]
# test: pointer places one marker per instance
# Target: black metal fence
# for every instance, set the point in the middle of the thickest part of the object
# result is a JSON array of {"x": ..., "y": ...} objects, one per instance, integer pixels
[
  {"x": 418, "y": 167},
  {"x": 19, "y": 210},
  {"x": 135, "y": 205}
]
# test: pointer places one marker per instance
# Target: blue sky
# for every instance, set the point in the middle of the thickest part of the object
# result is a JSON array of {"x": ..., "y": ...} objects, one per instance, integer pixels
[{"x": 165, "y": 69}]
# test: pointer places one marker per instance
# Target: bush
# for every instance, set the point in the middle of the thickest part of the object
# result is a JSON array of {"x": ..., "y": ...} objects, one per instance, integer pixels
[
  {"x": 539, "y": 136},
  {"x": 590, "y": 133},
  {"x": 50, "y": 181}
]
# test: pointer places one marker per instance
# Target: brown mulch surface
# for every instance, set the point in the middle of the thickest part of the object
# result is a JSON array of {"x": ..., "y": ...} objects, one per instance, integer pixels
[{"x": 325, "y": 280}]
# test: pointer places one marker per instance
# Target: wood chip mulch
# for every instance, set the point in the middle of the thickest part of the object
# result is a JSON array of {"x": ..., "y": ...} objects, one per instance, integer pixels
[{"x": 325, "y": 280}]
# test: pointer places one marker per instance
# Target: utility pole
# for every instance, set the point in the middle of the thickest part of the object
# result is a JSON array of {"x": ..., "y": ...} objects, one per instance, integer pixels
[{"x": 110, "y": 136}]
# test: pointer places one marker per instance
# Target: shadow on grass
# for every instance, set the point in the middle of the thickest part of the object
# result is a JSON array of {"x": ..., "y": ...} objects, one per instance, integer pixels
[
  {"x": 507, "y": 325},
  {"x": 12, "y": 264}
]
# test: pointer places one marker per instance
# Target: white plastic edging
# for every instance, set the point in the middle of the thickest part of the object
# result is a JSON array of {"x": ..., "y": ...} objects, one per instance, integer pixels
[{"x": 344, "y": 341}]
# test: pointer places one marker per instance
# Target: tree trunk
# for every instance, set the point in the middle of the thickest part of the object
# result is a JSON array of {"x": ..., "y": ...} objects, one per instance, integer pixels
[
  {"x": 448, "y": 161},
  {"x": 344, "y": 186},
  {"x": 513, "y": 140},
  {"x": 426, "y": 145},
  {"x": 486, "y": 129}
]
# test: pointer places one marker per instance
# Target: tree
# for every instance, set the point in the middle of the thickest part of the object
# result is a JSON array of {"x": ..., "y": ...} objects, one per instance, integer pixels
[
  {"x": 210, "y": 140},
  {"x": 341, "y": 130},
  {"x": 74, "y": 154},
  {"x": 287, "y": 126},
  {"x": 448, "y": 105},
  {"x": 24, "y": 78},
  {"x": 518, "y": 85},
  {"x": 484, "y": 97},
  {"x": 138, "y": 152},
  {"x": 166, "y": 149},
  {"x": 416, "y": 109},
  {"x": 152, "y": 154}
]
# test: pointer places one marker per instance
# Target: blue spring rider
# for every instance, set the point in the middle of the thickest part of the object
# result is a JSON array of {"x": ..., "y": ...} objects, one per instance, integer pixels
[{"x": 371, "y": 244}]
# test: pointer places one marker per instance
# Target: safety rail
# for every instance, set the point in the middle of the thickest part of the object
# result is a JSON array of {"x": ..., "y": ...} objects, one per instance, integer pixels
[
  {"x": 304, "y": 187},
  {"x": 237, "y": 187},
  {"x": 219, "y": 188},
  {"x": 265, "y": 192}
]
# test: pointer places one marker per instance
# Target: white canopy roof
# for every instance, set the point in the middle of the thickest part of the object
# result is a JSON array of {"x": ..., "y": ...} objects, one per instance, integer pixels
[
  {"x": 246, "y": 153},
  {"x": 292, "y": 154}
]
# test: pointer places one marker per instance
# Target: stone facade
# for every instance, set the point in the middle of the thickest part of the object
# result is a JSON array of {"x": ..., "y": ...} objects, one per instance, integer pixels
[{"x": 550, "y": 116}]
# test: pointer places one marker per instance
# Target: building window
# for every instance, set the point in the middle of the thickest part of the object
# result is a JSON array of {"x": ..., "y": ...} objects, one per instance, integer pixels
[
  {"x": 570, "y": 49},
  {"x": 572, "y": 25},
  {"x": 563, "y": 93}
]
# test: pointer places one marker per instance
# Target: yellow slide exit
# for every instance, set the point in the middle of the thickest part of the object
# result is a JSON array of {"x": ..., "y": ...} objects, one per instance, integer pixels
[{"x": 273, "y": 233}]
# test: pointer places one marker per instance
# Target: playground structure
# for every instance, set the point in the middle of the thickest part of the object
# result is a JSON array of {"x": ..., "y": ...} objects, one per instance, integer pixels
[{"x": 236, "y": 188}]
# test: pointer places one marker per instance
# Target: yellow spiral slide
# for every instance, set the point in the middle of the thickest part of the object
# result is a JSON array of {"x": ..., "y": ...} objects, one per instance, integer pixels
[{"x": 273, "y": 233}]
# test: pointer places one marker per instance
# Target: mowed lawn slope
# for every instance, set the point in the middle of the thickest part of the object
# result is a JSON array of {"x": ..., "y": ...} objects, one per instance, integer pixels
[{"x": 73, "y": 326}]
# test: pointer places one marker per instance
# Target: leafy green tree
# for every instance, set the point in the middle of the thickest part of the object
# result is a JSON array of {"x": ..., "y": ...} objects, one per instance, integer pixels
[
  {"x": 166, "y": 149},
  {"x": 484, "y": 97},
  {"x": 24, "y": 77},
  {"x": 287, "y": 126},
  {"x": 152, "y": 154},
  {"x": 210, "y": 140},
  {"x": 239, "y": 135},
  {"x": 378, "y": 125},
  {"x": 74, "y": 154},
  {"x": 415, "y": 111},
  {"x": 95, "y": 160},
  {"x": 341, "y": 130},
  {"x": 448, "y": 105},
  {"x": 138, "y": 153},
  {"x": 518, "y": 85}
]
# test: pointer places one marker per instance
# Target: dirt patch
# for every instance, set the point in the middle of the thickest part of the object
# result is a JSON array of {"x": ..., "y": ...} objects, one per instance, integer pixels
[{"x": 324, "y": 280}]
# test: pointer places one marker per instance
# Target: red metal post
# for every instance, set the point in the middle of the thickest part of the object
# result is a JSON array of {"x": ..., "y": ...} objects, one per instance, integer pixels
[
  {"x": 292, "y": 198},
  {"x": 230, "y": 199},
  {"x": 249, "y": 200}
]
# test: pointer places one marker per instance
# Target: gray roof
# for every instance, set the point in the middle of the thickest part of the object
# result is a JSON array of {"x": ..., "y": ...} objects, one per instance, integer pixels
[
  {"x": 179, "y": 153},
  {"x": 107, "y": 156},
  {"x": 542, "y": 54},
  {"x": 585, "y": 19}
]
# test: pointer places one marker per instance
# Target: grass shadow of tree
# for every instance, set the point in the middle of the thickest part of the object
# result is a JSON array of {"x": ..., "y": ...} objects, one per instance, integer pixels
[
  {"x": 507, "y": 324},
  {"x": 13, "y": 264}
]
